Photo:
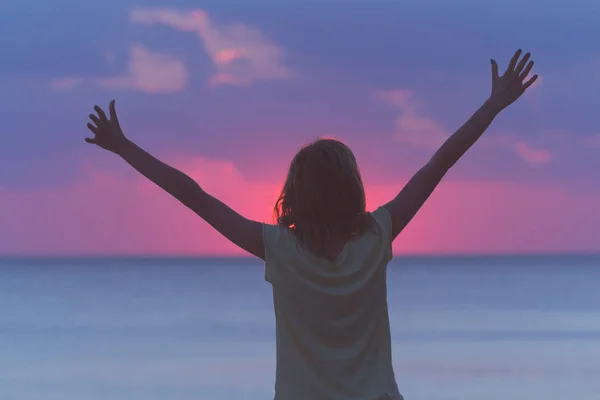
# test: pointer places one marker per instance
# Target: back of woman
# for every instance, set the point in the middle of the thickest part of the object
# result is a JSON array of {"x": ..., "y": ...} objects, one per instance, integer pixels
[{"x": 333, "y": 334}]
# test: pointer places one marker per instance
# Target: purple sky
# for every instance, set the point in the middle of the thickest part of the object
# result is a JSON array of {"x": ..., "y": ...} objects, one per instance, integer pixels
[{"x": 245, "y": 83}]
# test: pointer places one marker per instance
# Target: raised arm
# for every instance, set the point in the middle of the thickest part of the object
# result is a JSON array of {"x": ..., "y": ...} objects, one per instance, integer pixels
[
  {"x": 245, "y": 233},
  {"x": 505, "y": 90}
]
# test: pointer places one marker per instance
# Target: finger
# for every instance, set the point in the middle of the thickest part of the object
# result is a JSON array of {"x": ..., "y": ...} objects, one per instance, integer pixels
[
  {"x": 97, "y": 121},
  {"x": 92, "y": 128},
  {"x": 91, "y": 140},
  {"x": 526, "y": 71},
  {"x": 513, "y": 60},
  {"x": 530, "y": 82},
  {"x": 523, "y": 62},
  {"x": 495, "y": 75},
  {"x": 113, "y": 111},
  {"x": 101, "y": 114}
]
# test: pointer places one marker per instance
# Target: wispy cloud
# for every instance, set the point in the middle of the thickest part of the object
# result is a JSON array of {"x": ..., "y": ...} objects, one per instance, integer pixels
[
  {"x": 240, "y": 54},
  {"x": 150, "y": 72},
  {"x": 65, "y": 84},
  {"x": 147, "y": 71},
  {"x": 411, "y": 127},
  {"x": 401, "y": 99},
  {"x": 417, "y": 130},
  {"x": 533, "y": 155}
]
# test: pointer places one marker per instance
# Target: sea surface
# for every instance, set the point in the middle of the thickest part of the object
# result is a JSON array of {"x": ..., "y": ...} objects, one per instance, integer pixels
[{"x": 470, "y": 328}]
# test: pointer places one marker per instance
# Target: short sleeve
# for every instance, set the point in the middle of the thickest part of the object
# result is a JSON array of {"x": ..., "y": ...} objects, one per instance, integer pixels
[
  {"x": 276, "y": 240},
  {"x": 383, "y": 220}
]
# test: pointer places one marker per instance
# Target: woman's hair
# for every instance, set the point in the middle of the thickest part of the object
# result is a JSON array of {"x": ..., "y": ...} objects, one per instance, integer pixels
[{"x": 323, "y": 198}]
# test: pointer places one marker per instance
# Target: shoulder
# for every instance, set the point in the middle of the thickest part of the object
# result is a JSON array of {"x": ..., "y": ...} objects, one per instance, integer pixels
[
  {"x": 383, "y": 220},
  {"x": 275, "y": 235},
  {"x": 383, "y": 226},
  {"x": 279, "y": 243}
]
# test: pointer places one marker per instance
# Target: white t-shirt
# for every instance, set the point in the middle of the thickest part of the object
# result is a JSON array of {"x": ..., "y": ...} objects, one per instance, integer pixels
[{"x": 332, "y": 323}]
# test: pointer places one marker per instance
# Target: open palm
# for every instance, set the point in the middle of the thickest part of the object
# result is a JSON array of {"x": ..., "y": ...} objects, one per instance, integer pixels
[
  {"x": 511, "y": 85},
  {"x": 107, "y": 131}
]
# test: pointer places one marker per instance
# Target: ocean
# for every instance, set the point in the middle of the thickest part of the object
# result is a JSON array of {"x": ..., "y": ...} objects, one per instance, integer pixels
[{"x": 464, "y": 328}]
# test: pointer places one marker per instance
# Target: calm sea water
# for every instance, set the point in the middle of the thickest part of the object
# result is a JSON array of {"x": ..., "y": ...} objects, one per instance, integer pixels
[{"x": 463, "y": 328}]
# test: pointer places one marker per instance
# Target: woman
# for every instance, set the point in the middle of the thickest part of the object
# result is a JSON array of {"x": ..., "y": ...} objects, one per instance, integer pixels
[{"x": 326, "y": 256}]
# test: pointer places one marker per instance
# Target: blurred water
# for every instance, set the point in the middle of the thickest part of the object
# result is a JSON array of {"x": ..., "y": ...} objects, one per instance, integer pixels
[{"x": 464, "y": 328}]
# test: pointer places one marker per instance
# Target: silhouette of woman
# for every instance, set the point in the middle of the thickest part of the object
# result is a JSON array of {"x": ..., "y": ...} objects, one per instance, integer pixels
[{"x": 326, "y": 257}]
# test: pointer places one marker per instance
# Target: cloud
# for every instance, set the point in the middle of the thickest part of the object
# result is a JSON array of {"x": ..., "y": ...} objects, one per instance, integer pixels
[
  {"x": 65, "y": 84},
  {"x": 149, "y": 72},
  {"x": 105, "y": 214},
  {"x": 412, "y": 128},
  {"x": 240, "y": 54},
  {"x": 532, "y": 155},
  {"x": 401, "y": 99},
  {"x": 512, "y": 142},
  {"x": 419, "y": 131}
]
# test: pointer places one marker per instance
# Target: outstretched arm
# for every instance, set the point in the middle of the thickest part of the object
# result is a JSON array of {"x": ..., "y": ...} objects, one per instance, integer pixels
[
  {"x": 243, "y": 232},
  {"x": 505, "y": 90}
]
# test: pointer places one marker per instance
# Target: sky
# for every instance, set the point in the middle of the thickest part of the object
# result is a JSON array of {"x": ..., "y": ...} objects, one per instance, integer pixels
[{"x": 229, "y": 90}]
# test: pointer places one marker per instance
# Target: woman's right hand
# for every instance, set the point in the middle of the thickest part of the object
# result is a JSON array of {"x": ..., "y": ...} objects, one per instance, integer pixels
[{"x": 107, "y": 131}]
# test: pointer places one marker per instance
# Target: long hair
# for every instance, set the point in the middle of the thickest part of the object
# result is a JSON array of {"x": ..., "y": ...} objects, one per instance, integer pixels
[{"x": 323, "y": 198}]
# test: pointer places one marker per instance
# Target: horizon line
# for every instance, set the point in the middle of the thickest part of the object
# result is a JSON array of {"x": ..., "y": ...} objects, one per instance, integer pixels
[{"x": 249, "y": 257}]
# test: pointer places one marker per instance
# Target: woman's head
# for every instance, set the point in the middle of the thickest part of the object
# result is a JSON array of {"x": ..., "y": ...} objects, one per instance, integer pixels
[{"x": 323, "y": 197}]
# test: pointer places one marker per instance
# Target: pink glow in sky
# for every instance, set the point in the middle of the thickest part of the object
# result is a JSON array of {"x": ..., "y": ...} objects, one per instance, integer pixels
[{"x": 107, "y": 215}]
